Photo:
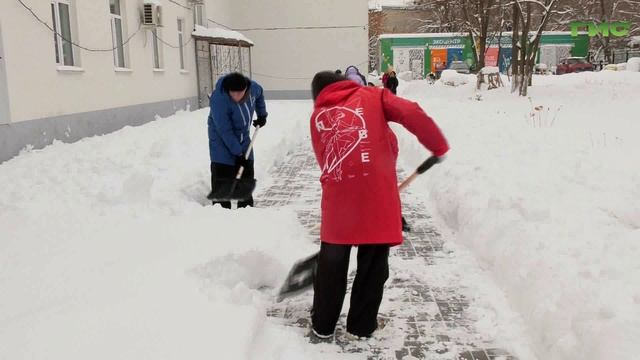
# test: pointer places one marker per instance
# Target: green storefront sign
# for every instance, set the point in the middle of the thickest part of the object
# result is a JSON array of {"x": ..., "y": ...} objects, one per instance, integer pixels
[
  {"x": 458, "y": 47},
  {"x": 616, "y": 28}
]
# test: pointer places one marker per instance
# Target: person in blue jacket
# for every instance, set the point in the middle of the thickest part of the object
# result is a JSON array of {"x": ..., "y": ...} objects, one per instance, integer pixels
[{"x": 233, "y": 103}]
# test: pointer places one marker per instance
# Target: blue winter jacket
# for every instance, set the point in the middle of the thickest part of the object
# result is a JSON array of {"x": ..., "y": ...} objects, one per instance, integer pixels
[{"x": 229, "y": 122}]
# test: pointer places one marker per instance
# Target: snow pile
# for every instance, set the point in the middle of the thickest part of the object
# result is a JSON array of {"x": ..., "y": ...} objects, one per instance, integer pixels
[
  {"x": 635, "y": 41},
  {"x": 490, "y": 70},
  {"x": 543, "y": 190},
  {"x": 106, "y": 251},
  {"x": 405, "y": 76},
  {"x": 633, "y": 64},
  {"x": 453, "y": 78},
  {"x": 106, "y": 241}
]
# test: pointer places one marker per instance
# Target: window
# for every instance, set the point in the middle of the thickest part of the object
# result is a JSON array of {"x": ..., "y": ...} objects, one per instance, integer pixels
[
  {"x": 157, "y": 50},
  {"x": 200, "y": 15},
  {"x": 181, "y": 42},
  {"x": 60, "y": 13},
  {"x": 116, "y": 34}
]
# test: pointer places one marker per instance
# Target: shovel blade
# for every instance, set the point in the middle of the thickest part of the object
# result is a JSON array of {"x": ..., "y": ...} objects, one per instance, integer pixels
[
  {"x": 300, "y": 278},
  {"x": 232, "y": 189}
]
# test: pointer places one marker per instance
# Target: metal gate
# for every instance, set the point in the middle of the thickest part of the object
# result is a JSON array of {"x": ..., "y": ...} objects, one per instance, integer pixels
[
  {"x": 623, "y": 55},
  {"x": 216, "y": 60},
  {"x": 227, "y": 59},
  {"x": 203, "y": 67}
]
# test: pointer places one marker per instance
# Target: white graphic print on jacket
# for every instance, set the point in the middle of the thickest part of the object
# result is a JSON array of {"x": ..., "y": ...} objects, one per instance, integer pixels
[{"x": 341, "y": 130}]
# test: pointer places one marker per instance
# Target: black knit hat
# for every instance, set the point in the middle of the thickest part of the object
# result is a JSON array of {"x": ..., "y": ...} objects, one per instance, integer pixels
[
  {"x": 322, "y": 80},
  {"x": 235, "y": 82}
]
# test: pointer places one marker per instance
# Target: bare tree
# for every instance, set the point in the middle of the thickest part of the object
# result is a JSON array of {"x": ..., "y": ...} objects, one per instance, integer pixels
[
  {"x": 477, "y": 14},
  {"x": 376, "y": 25},
  {"x": 445, "y": 16},
  {"x": 525, "y": 46},
  {"x": 598, "y": 12},
  {"x": 475, "y": 17}
]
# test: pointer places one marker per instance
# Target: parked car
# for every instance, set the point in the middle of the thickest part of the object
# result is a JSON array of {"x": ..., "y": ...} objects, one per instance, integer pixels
[
  {"x": 541, "y": 68},
  {"x": 573, "y": 64},
  {"x": 460, "y": 67}
]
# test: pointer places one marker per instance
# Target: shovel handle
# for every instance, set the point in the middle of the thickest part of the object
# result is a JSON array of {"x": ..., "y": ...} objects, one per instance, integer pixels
[
  {"x": 426, "y": 165},
  {"x": 246, "y": 155}
]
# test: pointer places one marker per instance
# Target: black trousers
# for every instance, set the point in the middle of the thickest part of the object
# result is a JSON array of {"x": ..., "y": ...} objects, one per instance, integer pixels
[
  {"x": 330, "y": 287},
  {"x": 224, "y": 171}
]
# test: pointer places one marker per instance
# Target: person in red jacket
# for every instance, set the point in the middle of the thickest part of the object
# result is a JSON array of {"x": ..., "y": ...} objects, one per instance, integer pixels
[{"x": 356, "y": 151}]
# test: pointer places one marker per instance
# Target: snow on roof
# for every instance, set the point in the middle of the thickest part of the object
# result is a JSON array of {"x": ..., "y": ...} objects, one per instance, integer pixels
[
  {"x": 378, "y": 4},
  {"x": 450, "y": 34},
  {"x": 420, "y": 35},
  {"x": 218, "y": 33}
]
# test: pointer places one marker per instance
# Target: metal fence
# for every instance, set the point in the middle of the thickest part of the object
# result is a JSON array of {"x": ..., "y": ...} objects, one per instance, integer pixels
[{"x": 623, "y": 55}]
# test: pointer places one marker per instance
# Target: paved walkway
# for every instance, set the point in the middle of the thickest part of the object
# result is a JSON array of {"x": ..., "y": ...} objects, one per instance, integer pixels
[{"x": 423, "y": 322}]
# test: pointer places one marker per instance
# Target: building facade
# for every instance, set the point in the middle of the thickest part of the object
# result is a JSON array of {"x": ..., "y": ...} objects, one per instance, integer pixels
[
  {"x": 424, "y": 53},
  {"x": 71, "y": 69}
]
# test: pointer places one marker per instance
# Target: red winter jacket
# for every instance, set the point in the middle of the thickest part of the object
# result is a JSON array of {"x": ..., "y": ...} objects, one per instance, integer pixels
[{"x": 357, "y": 151}]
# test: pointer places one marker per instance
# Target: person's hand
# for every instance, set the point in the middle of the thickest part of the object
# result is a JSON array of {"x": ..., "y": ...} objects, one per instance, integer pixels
[
  {"x": 261, "y": 121},
  {"x": 241, "y": 161}
]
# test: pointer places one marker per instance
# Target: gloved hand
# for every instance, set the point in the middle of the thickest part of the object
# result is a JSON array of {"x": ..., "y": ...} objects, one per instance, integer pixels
[
  {"x": 260, "y": 121},
  {"x": 241, "y": 161}
]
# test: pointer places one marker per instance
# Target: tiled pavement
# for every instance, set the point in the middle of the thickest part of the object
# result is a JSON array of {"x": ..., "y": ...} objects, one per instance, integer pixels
[{"x": 423, "y": 322}]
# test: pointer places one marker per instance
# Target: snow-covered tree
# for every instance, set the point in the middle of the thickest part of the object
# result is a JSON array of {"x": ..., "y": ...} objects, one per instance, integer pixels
[
  {"x": 527, "y": 16},
  {"x": 445, "y": 16}
]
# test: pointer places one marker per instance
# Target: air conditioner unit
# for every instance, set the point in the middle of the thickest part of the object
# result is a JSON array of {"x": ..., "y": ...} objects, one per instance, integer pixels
[{"x": 151, "y": 14}]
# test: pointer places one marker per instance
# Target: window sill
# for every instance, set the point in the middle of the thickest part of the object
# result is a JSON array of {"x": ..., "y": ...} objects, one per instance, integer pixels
[
  {"x": 123, "y": 70},
  {"x": 64, "y": 68},
  {"x": 184, "y": 71},
  {"x": 158, "y": 70}
]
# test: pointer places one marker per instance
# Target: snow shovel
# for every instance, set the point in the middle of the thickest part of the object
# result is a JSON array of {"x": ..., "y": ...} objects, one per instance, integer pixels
[
  {"x": 300, "y": 277},
  {"x": 236, "y": 189},
  {"x": 303, "y": 272}
]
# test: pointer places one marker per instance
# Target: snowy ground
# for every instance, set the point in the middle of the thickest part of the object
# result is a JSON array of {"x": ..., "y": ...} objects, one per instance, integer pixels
[
  {"x": 106, "y": 249},
  {"x": 547, "y": 200}
]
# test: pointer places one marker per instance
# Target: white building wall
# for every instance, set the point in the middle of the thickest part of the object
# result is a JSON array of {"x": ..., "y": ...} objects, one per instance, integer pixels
[
  {"x": 220, "y": 13},
  {"x": 4, "y": 90},
  {"x": 39, "y": 89},
  {"x": 286, "y": 58}
]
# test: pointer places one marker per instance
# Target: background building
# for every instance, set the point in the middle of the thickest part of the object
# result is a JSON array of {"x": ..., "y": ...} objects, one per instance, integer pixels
[{"x": 419, "y": 53}]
